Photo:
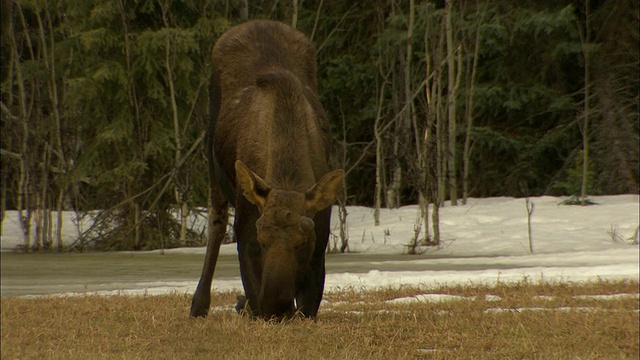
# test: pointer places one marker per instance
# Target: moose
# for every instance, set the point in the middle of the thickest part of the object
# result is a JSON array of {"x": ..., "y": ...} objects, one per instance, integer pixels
[{"x": 267, "y": 151}]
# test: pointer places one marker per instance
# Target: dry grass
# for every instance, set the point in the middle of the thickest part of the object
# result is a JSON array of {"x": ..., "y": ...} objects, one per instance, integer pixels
[{"x": 351, "y": 325}]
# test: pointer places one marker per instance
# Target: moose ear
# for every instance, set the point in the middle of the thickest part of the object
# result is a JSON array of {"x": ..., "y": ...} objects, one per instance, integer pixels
[
  {"x": 253, "y": 187},
  {"x": 324, "y": 192}
]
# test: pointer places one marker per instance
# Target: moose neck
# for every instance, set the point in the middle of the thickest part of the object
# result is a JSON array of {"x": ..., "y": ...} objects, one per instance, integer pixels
[
  {"x": 288, "y": 164},
  {"x": 290, "y": 128}
]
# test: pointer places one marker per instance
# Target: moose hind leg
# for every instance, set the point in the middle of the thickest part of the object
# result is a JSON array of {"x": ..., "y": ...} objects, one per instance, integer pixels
[{"x": 218, "y": 219}]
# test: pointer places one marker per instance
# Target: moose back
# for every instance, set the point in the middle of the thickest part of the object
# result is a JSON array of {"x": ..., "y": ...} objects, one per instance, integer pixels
[{"x": 268, "y": 148}]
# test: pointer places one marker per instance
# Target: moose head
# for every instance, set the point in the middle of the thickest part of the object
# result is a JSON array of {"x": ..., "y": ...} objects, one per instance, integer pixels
[{"x": 286, "y": 233}]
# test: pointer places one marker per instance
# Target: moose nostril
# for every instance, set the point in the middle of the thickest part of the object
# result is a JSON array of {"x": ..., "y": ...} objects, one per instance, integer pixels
[{"x": 307, "y": 224}]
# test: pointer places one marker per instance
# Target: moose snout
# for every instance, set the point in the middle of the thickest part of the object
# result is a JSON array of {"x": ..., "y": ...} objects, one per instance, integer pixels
[
  {"x": 278, "y": 288},
  {"x": 277, "y": 301},
  {"x": 276, "y": 307}
]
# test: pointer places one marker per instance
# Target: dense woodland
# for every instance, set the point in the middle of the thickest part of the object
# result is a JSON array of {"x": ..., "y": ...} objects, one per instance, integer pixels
[{"x": 105, "y": 104}]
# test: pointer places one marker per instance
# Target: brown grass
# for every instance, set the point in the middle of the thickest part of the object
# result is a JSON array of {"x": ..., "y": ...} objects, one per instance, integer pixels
[{"x": 351, "y": 325}]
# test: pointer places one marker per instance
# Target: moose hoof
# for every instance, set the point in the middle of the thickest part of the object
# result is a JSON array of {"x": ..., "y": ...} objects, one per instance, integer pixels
[
  {"x": 198, "y": 312},
  {"x": 241, "y": 305},
  {"x": 199, "y": 307}
]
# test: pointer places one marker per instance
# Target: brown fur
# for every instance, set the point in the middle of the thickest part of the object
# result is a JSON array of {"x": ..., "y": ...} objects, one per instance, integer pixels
[{"x": 270, "y": 144}]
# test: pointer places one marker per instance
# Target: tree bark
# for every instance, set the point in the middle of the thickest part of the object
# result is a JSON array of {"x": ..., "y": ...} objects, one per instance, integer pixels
[
  {"x": 178, "y": 191},
  {"x": 587, "y": 109},
  {"x": 294, "y": 16},
  {"x": 452, "y": 83},
  {"x": 441, "y": 162},
  {"x": 244, "y": 10},
  {"x": 24, "y": 176},
  {"x": 379, "y": 156},
  {"x": 315, "y": 22},
  {"x": 59, "y": 209},
  {"x": 430, "y": 155},
  {"x": 408, "y": 98},
  {"x": 135, "y": 211},
  {"x": 466, "y": 153}
]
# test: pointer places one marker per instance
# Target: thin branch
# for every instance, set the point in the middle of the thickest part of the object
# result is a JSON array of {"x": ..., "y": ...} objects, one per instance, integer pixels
[
  {"x": 315, "y": 23},
  {"x": 348, "y": 12}
]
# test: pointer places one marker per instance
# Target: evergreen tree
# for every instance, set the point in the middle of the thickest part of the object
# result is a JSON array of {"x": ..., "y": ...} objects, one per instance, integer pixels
[{"x": 105, "y": 102}]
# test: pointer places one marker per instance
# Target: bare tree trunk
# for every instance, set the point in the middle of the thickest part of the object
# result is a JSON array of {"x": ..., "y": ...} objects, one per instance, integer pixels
[
  {"x": 137, "y": 218},
  {"x": 384, "y": 72},
  {"x": 530, "y": 207},
  {"x": 379, "y": 155},
  {"x": 23, "y": 186},
  {"x": 417, "y": 133},
  {"x": 48, "y": 46},
  {"x": 466, "y": 155},
  {"x": 587, "y": 109},
  {"x": 423, "y": 155},
  {"x": 392, "y": 193},
  {"x": 244, "y": 10},
  {"x": 408, "y": 98},
  {"x": 419, "y": 139},
  {"x": 23, "y": 203},
  {"x": 59, "y": 209},
  {"x": 435, "y": 220},
  {"x": 130, "y": 185},
  {"x": 344, "y": 230},
  {"x": 315, "y": 22},
  {"x": 42, "y": 228},
  {"x": 441, "y": 163},
  {"x": 433, "y": 159},
  {"x": 452, "y": 83},
  {"x": 49, "y": 60},
  {"x": 424, "y": 191},
  {"x": 403, "y": 127},
  {"x": 50, "y": 226},
  {"x": 64, "y": 163},
  {"x": 342, "y": 201},
  {"x": 184, "y": 221},
  {"x": 393, "y": 188},
  {"x": 294, "y": 16},
  {"x": 431, "y": 154},
  {"x": 178, "y": 190},
  {"x": 37, "y": 219}
]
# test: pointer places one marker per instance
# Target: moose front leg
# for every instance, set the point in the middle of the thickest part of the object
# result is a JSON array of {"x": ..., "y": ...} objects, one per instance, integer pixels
[
  {"x": 249, "y": 257},
  {"x": 218, "y": 220},
  {"x": 309, "y": 298}
]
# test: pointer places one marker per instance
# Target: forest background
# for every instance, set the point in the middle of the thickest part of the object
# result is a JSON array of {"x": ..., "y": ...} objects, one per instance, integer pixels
[{"x": 105, "y": 105}]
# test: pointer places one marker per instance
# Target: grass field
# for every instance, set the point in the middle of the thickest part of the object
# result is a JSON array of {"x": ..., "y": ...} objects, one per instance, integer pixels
[{"x": 597, "y": 320}]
